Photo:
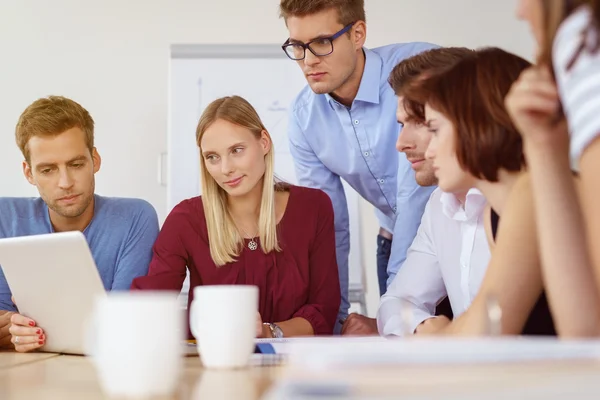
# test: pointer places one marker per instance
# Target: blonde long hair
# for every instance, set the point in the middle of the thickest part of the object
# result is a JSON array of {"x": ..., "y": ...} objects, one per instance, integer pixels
[{"x": 224, "y": 239}]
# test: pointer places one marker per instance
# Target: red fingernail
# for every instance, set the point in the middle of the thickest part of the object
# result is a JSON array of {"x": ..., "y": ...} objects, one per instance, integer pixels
[
  {"x": 31, "y": 323},
  {"x": 41, "y": 337},
  {"x": 39, "y": 331},
  {"x": 41, "y": 342}
]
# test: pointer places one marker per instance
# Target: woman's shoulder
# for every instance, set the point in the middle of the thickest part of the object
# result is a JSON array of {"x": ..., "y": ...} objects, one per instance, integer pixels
[
  {"x": 309, "y": 198},
  {"x": 309, "y": 193},
  {"x": 189, "y": 209},
  {"x": 573, "y": 37}
]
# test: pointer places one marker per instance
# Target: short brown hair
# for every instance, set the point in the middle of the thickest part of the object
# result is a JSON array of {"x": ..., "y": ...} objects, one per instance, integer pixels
[
  {"x": 51, "y": 116},
  {"x": 349, "y": 11},
  {"x": 414, "y": 71},
  {"x": 471, "y": 95}
]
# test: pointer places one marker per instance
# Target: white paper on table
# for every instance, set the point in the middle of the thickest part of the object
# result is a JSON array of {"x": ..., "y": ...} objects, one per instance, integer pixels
[
  {"x": 341, "y": 352},
  {"x": 285, "y": 345}
]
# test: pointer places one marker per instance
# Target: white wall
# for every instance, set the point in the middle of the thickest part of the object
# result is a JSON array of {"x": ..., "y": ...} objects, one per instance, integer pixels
[{"x": 112, "y": 57}]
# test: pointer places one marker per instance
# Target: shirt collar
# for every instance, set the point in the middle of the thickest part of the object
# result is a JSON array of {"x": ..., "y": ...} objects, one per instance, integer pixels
[
  {"x": 46, "y": 213},
  {"x": 474, "y": 204},
  {"x": 368, "y": 91}
]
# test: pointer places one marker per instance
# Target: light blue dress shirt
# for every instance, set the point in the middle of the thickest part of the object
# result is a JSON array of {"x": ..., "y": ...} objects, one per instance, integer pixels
[{"x": 330, "y": 142}]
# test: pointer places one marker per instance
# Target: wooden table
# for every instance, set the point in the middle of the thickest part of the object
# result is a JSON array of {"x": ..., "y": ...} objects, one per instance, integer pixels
[
  {"x": 546, "y": 380},
  {"x": 47, "y": 376},
  {"x": 10, "y": 359}
]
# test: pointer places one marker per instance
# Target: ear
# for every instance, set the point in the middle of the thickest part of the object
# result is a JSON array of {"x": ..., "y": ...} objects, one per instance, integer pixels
[
  {"x": 359, "y": 34},
  {"x": 28, "y": 173},
  {"x": 96, "y": 159},
  {"x": 265, "y": 142}
]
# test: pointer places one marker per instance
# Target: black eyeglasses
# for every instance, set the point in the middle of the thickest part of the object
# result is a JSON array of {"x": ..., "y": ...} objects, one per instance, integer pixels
[{"x": 319, "y": 47}]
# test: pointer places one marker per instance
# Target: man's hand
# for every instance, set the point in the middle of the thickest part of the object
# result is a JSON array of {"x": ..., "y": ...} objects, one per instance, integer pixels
[
  {"x": 359, "y": 325},
  {"x": 432, "y": 325},
  {"x": 5, "y": 335}
]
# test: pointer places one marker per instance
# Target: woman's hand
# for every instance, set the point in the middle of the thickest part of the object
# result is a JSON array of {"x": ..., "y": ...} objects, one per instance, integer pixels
[
  {"x": 533, "y": 104},
  {"x": 259, "y": 326},
  {"x": 25, "y": 335},
  {"x": 432, "y": 325}
]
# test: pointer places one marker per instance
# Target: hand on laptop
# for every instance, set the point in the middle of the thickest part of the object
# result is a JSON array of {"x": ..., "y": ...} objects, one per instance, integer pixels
[
  {"x": 26, "y": 336},
  {"x": 359, "y": 325}
]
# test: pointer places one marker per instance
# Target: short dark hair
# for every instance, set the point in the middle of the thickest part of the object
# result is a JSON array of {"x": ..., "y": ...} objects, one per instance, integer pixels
[
  {"x": 471, "y": 95},
  {"x": 413, "y": 71},
  {"x": 349, "y": 11},
  {"x": 51, "y": 116}
]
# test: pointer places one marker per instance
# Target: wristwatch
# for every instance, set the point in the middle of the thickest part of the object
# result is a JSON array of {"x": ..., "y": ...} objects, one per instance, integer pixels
[{"x": 276, "y": 331}]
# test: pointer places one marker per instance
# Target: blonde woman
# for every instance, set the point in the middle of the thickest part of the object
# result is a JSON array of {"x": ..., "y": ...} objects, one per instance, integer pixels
[{"x": 247, "y": 228}]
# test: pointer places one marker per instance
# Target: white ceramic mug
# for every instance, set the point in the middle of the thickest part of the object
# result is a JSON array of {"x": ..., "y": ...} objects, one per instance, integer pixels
[
  {"x": 223, "y": 321},
  {"x": 137, "y": 343}
]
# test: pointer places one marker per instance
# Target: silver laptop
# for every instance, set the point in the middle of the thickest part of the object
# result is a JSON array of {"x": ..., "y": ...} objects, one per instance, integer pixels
[{"x": 54, "y": 280}]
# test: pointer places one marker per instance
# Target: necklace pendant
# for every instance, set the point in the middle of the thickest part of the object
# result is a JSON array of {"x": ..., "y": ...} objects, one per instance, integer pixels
[{"x": 252, "y": 245}]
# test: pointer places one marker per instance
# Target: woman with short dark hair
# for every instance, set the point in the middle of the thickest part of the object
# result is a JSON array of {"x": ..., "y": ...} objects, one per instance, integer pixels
[{"x": 475, "y": 144}]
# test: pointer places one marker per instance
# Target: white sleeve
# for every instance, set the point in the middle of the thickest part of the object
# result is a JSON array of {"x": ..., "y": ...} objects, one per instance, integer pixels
[{"x": 417, "y": 287}]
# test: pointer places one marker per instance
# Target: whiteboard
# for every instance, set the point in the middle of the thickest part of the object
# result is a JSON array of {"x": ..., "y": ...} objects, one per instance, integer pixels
[{"x": 263, "y": 75}]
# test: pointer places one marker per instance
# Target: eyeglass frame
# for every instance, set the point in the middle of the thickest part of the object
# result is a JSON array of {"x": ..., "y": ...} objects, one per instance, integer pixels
[{"x": 307, "y": 45}]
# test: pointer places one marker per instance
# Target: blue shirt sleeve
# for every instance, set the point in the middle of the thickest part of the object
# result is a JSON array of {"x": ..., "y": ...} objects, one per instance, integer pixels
[
  {"x": 6, "y": 303},
  {"x": 311, "y": 172},
  {"x": 135, "y": 258},
  {"x": 410, "y": 203}
]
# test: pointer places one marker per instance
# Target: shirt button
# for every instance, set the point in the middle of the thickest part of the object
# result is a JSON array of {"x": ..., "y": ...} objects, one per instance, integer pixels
[
  {"x": 366, "y": 154},
  {"x": 395, "y": 209},
  {"x": 464, "y": 265},
  {"x": 382, "y": 181},
  {"x": 355, "y": 122}
]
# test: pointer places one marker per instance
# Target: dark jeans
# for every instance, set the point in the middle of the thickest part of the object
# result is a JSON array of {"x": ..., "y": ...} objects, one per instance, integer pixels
[{"x": 384, "y": 249}]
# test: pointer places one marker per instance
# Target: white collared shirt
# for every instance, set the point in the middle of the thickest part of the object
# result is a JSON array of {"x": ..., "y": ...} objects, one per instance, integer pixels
[{"x": 448, "y": 257}]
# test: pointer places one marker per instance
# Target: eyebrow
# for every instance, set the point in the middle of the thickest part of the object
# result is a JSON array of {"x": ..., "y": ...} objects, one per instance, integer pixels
[
  {"x": 322, "y": 36},
  {"x": 78, "y": 158},
  {"x": 410, "y": 119},
  {"x": 46, "y": 165},
  {"x": 233, "y": 146}
]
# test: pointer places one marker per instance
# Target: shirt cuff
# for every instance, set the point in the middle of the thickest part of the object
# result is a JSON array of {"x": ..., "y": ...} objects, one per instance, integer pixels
[
  {"x": 316, "y": 319},
  {"x": 394, "y": 325}
]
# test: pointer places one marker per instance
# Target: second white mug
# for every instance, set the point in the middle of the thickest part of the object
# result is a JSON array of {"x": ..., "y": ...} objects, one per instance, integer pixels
[{"x": 223, "y": 321}]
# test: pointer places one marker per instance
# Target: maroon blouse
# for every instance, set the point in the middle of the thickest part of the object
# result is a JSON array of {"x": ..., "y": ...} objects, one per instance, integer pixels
[{"x": 300, "y": 281}]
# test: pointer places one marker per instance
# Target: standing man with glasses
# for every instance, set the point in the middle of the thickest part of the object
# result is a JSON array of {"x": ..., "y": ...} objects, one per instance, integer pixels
[{"x": 343, "y": 126}]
